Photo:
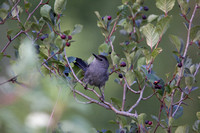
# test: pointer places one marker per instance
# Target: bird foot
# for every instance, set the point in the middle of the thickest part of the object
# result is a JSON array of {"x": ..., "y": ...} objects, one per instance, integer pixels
[
  {"x": 102, "y": 98},
  {"x": 85, "y": 87}
]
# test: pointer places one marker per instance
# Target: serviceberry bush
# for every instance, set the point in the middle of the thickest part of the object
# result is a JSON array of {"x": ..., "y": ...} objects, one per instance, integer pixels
[{"x": 140, "y": 35}]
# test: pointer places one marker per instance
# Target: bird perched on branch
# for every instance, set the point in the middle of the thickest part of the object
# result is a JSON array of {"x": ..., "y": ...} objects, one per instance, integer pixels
[{"x": 96, "y": 73}]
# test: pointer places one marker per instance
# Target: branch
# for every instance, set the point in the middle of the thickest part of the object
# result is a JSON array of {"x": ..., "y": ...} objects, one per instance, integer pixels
[
  {"x": 138, "y": 101},
  {"x": 124, "y": 97},
  {"x": 181, "y": 100},
  {"x": 124, "y": 113},
  {"x": 10, "y": 40},
  {"x": 136, "y": 92},
  {"x": 29, "y": 16},
  {"x": 187, "y": 44},
  {"x": 113, "y": 30}
]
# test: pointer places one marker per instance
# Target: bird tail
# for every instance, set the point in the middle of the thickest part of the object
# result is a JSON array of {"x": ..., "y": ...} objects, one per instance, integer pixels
[{"x": 81, "y": 64}]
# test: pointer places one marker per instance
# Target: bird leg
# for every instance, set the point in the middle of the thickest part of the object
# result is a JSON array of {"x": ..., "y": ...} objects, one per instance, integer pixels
[
  {"x": 85, "y": 87},
  {"x": 102, "y": 94}
]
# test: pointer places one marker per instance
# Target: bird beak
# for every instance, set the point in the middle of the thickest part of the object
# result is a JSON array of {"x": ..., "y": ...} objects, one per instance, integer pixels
[{"x": 97, "y": 57}]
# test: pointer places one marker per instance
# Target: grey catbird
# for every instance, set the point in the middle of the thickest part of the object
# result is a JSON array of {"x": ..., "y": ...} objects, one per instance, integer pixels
[{"x": 96, "y": 73}]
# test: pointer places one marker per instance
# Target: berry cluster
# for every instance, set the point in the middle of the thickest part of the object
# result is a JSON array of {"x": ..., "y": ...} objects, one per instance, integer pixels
[
  {"x": 148, "y": 122},
  {"x": 63, "y": 36}
]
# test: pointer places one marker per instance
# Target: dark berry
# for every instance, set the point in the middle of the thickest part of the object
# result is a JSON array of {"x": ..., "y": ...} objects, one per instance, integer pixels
[
  {"x": 68, "y": 44},
  {"x": 150, "y": 123},
  {"x": 122, "y": 64},
  {"x": 102, "y": 18},
  {"x": 120, "y": 75},
  {"x": 156, "y": 82},
  {"x": 109, "y": 17},
  {"x": 69, "y": 37},
  {"x": 145, "y": 8},
  {"x": 144, "y": 17},
  {"x": 157, "y": 86},
  {"x": 127, "y": 42},
  {"x": 180, "y": 64},
  {"x": 44, "y": 37},
  {"x": 146, "y": 122},
  {"x": 63, "y": 36}
]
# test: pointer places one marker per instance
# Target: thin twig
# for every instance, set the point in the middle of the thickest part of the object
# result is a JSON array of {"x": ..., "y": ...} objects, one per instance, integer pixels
[
  {"x": 182, "y": 94},
  {"x": 124, "y": 97},
  {"x": 187, "y": 45},
  {"x": 12, "y": 39},
  {"x": 124, "y": 113},
  {"x": 136, "y": 92},
  {"x": 112, "y": 31},
  {"x": 145, "y": 98},
  {"x": 29, "y": 16},
  {"x": 50, "y": 57},
  {"x": 138, "y": 101}
]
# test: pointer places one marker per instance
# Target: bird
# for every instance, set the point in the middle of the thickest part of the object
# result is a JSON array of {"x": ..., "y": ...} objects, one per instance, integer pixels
[{"x": 96, "y": 73}]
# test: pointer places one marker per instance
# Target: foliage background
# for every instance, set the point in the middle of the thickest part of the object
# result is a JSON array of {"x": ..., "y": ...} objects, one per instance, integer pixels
[{"x": 43, "y": 93}]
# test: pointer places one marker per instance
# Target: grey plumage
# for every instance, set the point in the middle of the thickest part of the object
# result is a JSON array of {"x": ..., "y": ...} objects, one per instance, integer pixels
[{"x": 96, "y": 73}]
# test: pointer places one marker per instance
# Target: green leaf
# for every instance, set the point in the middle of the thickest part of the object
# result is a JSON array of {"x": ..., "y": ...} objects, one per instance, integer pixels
[
  {"x": 77, "y": 29},
  {"x": 103, "y": 48},
  {"x": 156, "y": 52},
  {"x": 171, "y": 120},
  {"x": 189, "y": 81},
  {"x": 3, "y": 13},
  {"x": 152, "y": 77},
  {"x": 116, "y": 102},
  {"x": 122, "y": 22},
  {"x": 59, "y": 6},
  {"x": 45, "y": 11},
  {"x": 141, "y": 61},
  {"x": 35, "y": 26},
  {"x": 141, "y": 118},
  {"x": 193, "y": 68},
  {"x": 128, "y": 27},
  {"x": 152, "y": 17},
  {"x": 195, "y": 33},
  {"x": 139, "y": 76},
  {"x": 130, "y": 77},
  {"x": 151, "y": 34},
  {"x": 154, "y": 117},
  {"x": 66, "y": 32},
  {"x": 59, "y": 42},
  {"x": 176, "y": 41},
  {"x": 184, "y": 5},
  {"x": 198, "y": 2},
  {"x": 115, "y": 58},
  {"x": 165, "y": 5},
  {"x": 136, "y": 56},
  {"x": 182, "y": 129},
  {"x": 98, "y": 15},
  {"x": 112, "y": 39},
  {"x": 179, "y": 112},
  {"x": 71, "y": 59},
  {"x": 163, "y": 25},
  {"x": 196, "y": 126},
  {"x": 16, "y": 11},
  {"x": 9, "y": 32},
  {"x": 27, "y": 5},
  {"x": 198, "y": 115},
  {"x": 1, "y": 56},
  {"x": 125, "y": 1}
]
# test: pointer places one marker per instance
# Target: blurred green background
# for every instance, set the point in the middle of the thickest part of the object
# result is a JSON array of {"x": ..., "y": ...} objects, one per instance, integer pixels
[{"x": 19, "y": 106}]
